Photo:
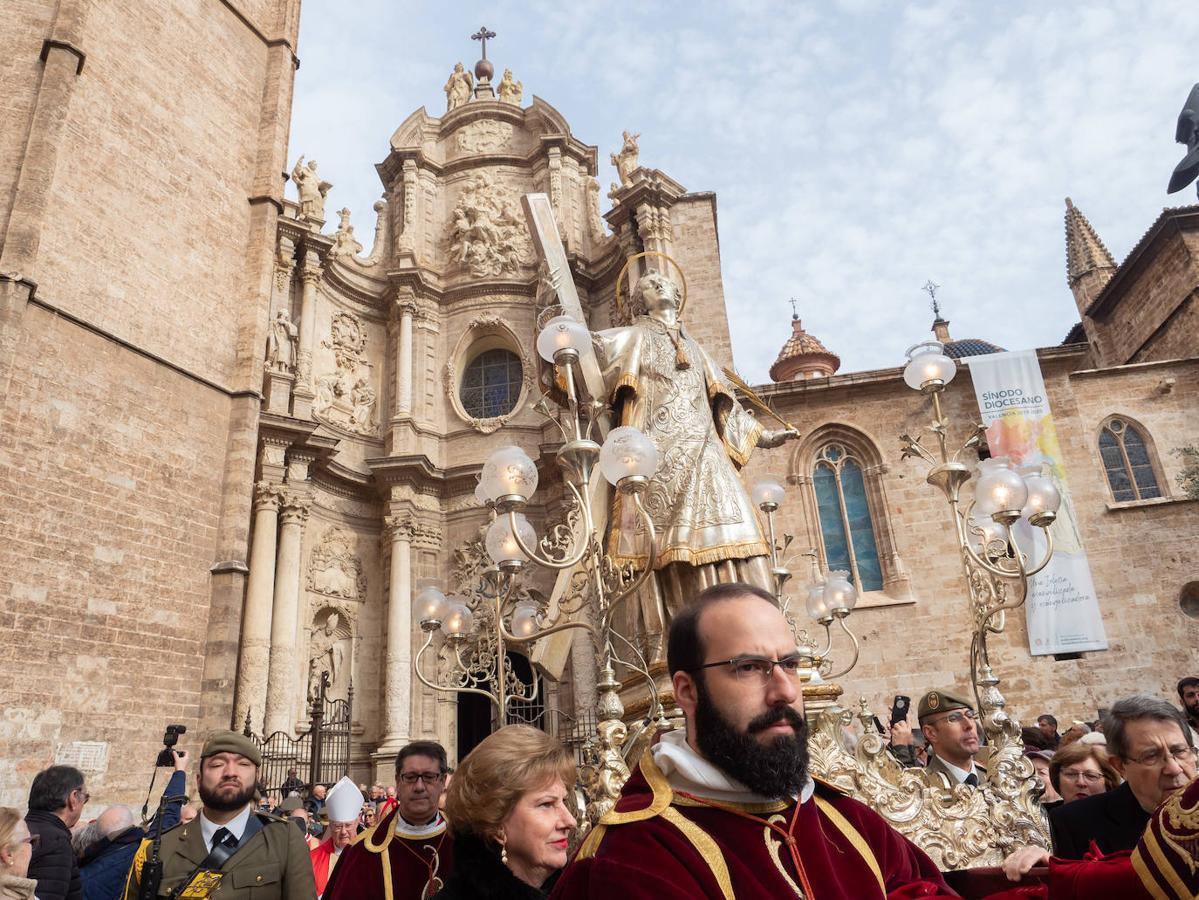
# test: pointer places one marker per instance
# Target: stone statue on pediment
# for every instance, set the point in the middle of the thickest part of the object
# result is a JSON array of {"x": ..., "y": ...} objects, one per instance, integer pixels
[
  {"x": 510, "y": 90},
  {"x": 326, "y": 653},
  {"x": 626, "y": 161},
  {"x": 311, "y": 189},
  {"x": 344, "y": 242},
  {"x": 458, "y": 88}
]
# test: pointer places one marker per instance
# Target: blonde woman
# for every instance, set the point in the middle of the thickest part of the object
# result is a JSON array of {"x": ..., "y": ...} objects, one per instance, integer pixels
[
  {"x": 16, "y": 847},
  {"x": 507, "y": 811}
]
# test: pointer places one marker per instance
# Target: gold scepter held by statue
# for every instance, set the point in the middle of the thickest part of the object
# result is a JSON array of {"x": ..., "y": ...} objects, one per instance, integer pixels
[{"x": 755, "y": 399}]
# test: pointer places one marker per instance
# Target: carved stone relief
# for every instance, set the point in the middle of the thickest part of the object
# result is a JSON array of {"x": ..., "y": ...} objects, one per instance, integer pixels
[
  {"x": 344, "y": 397},
  {"x": 487, "y": 234},
  {"x": 484, "y": 136},
  {"x": 334, "y": 569},
  {"x": 344, "y": 242}
]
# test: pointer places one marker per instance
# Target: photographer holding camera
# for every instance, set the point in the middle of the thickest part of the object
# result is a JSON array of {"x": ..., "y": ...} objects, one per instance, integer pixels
[
  {"x": 105, "y": 864},
  {"x": 229, "y": 846}
]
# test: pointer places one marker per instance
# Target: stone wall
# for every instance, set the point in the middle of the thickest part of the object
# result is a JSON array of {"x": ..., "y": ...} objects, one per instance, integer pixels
[
  {"x": 697, "y": 244},
  {"x": 149, "y": 164},
  {"x": 1140, "y": 554}
]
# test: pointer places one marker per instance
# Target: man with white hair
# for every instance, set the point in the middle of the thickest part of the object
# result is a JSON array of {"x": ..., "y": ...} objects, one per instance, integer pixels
[
  {"x": 343, "y": 804},
  {"x": 106, "y": 862}
]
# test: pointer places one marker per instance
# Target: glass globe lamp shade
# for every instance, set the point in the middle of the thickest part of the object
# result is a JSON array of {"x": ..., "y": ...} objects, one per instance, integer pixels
[
  {"x": 928, "y": 363},
  {"x": 838, "y": 592},
  {"x": 1043, "y": 495},
  {"x": 626, "y": 451},
  {"x": 816, "y": 606},
  {"x": 524, "y": 620},
  {"x": 999, "y": 487},
  {"x": 481, "y": 495},
  {"x": 767, "y": 491},
  {"x": 562, "y": 333},
  {"x": 458, "y": 620},
  {"x": 431, "y": 605},
  {"x": 509, "y": 472},
  {"x": 501, "y": 541}
]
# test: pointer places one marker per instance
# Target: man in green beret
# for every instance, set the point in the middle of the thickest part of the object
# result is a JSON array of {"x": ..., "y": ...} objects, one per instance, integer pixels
[
  {"x": 950, "y": 725},
  {"x": 229, "y": 850}
]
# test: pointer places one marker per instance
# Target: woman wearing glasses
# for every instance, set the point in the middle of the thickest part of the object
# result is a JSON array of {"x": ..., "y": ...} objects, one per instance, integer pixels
[
  {"x": 508, "y": 814},
  {"x": 16, "y": 847},
  {"x": 1080, "y": 770}
]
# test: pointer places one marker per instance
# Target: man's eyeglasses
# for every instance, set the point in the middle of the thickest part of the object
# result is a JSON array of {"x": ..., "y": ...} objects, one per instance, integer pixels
[
  {"x": 956, "y": 718},
  {"x": 1157, "y": 758},
  {"x": 1077, "y": 774},
  {"x": 426, "y": 777},
  {"x": 82, "y": 793},
  {"x": 759, "y": 669}
]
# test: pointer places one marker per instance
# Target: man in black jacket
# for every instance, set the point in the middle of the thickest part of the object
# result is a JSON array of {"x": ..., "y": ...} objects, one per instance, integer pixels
[
  {"x": 56, "y": 802},
  {"x": 1150, "y": 746}
]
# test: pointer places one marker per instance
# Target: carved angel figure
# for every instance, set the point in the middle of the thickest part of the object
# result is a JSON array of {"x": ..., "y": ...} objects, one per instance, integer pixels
[
  {"x": 458, "y": 88},
  {"x": 708, "y": 531},
  {"x": 311, "y": 189},
  {"x": 510, "y": 90},
  {"x": 626, "y": 160},
  {"x": 344, "y": 242}
]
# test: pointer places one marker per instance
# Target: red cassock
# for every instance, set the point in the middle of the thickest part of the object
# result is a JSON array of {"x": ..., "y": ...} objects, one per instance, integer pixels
[
  {"x": 322, "y": 864},
  {"x": 658, "y": 843},
  {"x": 388, "y": 863}
]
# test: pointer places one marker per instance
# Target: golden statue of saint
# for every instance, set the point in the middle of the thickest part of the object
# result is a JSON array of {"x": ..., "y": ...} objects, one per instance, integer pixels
[{"x": 661, "y": 381}]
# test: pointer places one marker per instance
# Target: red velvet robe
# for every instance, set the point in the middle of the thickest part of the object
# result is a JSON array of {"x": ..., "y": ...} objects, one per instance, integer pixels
[
  {"x": 658, "y": 844},
  {"x": 382, "y": 864}
]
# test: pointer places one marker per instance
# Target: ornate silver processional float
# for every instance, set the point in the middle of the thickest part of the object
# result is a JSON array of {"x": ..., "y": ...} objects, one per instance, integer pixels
[{"x": 635, "y": 540}]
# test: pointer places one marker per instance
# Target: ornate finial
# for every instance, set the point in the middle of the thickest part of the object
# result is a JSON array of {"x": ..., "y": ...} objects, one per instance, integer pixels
[
  {"x": 794, "y": 310},
  {"x": 483, "y": 68},
  {"x": 931, "y": 289}
]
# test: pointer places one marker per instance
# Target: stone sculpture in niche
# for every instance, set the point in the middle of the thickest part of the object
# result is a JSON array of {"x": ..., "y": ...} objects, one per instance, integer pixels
[
  {"x": 626, "y": 160},
  {"x": 326, "y": 653},
  {"x": 594, "y": 219},
  {"x": 311, "y": 189},
  {"x": 334, "y": 569},
  {"x": 484, "y": 135},
  {"x": 510, "y": 90},
  {"x": 486, "y": 234},
  {"x": 281, "y": 343},
  {"x": 344, "y": 396},
  {"x": 458, "y": 88},
  {"x": 344, "y": 242}
]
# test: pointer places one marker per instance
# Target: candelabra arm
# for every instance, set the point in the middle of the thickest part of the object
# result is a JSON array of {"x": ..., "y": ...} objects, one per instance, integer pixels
[
  {"x": 652, "y": 538},
  {"x": 828, "y": 640},
  {"x": 655, "y": 708},
  {"x": 1021, "y": 571},
  {"x": 532, "y": 554},
  {"x": 511, "y": 638},
  {"x": 940, "y": 425},
  {"x": 447, "y": 688},
  {"x": 856, "y": 648}
]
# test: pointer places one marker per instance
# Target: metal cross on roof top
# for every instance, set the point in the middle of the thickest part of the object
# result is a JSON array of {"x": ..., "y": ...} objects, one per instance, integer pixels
[
  {"x": 483, "y": 35},
  {"x": 931, "y": 289},
  {"x": 794, "y": 311}
]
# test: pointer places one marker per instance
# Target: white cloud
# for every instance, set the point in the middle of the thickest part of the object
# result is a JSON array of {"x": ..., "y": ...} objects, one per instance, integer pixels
[{"x": 856, "y": 149}]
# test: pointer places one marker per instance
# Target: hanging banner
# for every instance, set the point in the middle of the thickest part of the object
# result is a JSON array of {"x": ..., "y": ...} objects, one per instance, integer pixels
[{"x": 1062, "y": 610}]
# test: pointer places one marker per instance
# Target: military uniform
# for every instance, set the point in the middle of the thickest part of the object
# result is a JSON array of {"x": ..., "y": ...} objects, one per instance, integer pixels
[
  {"x": 270, "y": 864},
  {"x": 937, "y": 773}
]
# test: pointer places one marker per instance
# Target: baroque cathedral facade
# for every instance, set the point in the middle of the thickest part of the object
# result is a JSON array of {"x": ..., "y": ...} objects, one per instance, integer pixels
[{"x": 235, "y": 442}]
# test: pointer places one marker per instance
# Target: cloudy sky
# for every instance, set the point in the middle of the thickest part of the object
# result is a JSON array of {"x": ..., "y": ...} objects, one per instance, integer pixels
[{"x": 857, "y": 148}]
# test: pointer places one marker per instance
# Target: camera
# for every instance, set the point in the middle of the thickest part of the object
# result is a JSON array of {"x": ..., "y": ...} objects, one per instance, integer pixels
[{"x": 166, "y": 756}]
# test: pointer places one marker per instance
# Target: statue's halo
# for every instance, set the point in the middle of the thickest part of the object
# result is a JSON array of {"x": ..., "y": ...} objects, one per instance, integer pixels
[{"x": 620, "y": 308}]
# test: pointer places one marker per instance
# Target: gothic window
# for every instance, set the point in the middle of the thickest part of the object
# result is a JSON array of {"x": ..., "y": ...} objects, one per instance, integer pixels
[
  {"x": 846, "y": 526},
  {"x": 491, "y": 384},
  {"x": 1127, "y": 461}
]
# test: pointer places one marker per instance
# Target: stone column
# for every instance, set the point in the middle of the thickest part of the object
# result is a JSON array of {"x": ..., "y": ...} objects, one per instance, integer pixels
[
  {"x": 397, "y": 681},
  {"x": 281, "y": 677},
  {"x": 310, "y": 275},
  {"x": 403, "y": 356},
  {"x": 254, "y": 658}
]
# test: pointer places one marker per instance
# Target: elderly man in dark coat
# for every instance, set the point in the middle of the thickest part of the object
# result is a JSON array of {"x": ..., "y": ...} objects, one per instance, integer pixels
[{"x": 56, "y": 801}]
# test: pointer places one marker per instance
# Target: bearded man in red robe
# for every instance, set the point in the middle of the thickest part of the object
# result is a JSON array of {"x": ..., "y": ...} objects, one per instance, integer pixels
[
  {"x": 408, "y": 854},
  {"x": 726, "y": 809}
]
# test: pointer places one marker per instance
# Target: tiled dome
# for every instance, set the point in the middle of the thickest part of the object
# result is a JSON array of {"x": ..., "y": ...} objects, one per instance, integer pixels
[
  {"x": 803, "y": 356},
  {"x": 964, "y": 347}
]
